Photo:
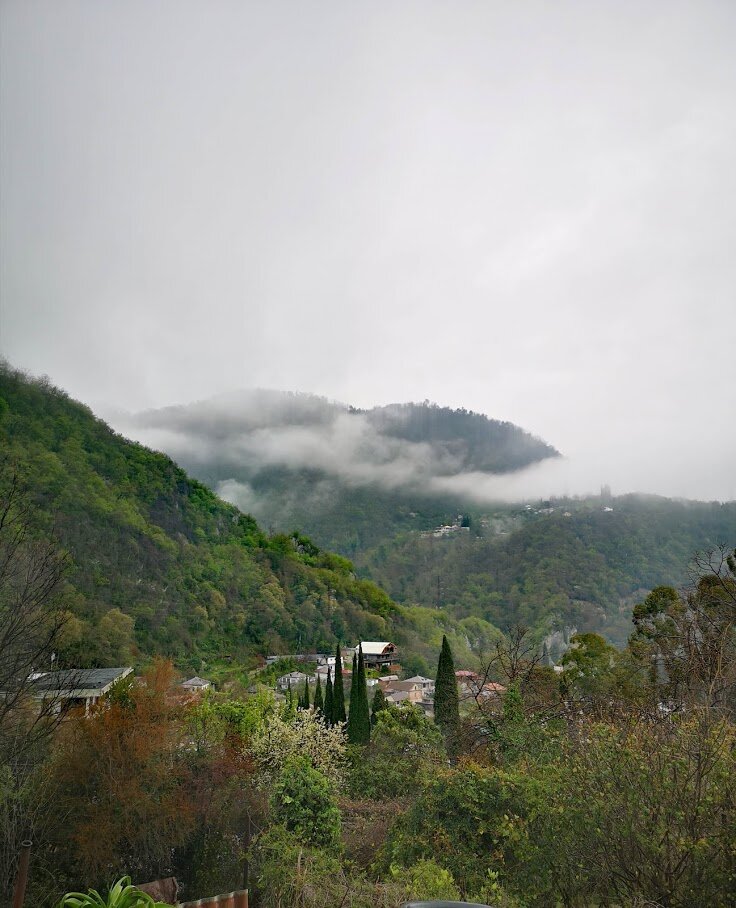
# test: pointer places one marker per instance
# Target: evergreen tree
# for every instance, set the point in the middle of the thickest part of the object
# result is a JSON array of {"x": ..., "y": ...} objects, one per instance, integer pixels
[
  {"x": 446, "y": 700},
  {"x": 329, "y": 699},
  {"x": 338, "y": 690},
  {"x": 318, "y": 702},
  {"x": 379, "y": 703},
  {"x": 305, "y": 695},
  {"x": 359, "y": 720}
]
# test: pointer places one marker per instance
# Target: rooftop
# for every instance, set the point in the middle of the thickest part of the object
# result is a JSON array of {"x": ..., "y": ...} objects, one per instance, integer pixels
[
  {"x": 376, "y": 648},
  {"x": 73, "y": 679}
]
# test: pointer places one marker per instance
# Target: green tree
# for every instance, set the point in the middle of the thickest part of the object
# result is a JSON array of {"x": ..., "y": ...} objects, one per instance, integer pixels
[
  {"x": 318, "y": 700},
  {"x": 305, "y": 802},
  {"x": 304, "y": 699},
  {"x": 404, "y": 754},
  {"x": 587, "y": 664},
  {"x": 329, "y": 699},
  {"x": 446, "y": 699},
  {"x": 338, "y": 690},
  {"x": 359, "y": 720},
  {"x": 379, "y": 703}
]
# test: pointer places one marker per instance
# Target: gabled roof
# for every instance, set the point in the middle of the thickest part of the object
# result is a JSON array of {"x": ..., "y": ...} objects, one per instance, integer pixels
[
  {"x": 375, "y": 648},
  {"x": 420, "y": 679},
  {"x": 196, "y": 681}
]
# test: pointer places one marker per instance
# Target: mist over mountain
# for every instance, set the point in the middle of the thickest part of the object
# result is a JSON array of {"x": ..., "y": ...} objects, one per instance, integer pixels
[{"x": 241, "y": 443}]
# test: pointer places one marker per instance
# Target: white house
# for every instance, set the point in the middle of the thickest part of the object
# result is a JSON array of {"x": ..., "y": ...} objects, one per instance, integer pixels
[
  {"x": 196, "y": 684},
  {"x": 294, "y": 680}
]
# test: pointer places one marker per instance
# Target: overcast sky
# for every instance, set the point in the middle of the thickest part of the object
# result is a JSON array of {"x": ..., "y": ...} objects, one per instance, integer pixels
[{"x": 527, "y": 209}]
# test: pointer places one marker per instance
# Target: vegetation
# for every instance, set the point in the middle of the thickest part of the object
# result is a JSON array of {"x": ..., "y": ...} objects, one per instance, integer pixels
[
  {"x": 612, "y": 782},
  {"x": 121, "y": 895},
  {"x": 446, "y": 701},
  {"x": 157, "y": 563},
  {"x": 359, "y": 718}
]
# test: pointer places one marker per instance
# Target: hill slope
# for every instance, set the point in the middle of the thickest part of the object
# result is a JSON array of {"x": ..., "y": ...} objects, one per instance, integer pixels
[
  {"x": 368, "y": 484},
  {"x": 161, "y": 565}
]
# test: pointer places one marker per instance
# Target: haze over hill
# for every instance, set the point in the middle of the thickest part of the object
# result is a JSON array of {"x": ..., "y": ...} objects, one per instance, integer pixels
[
  {"x": 374, "y": 484},
  {"x": 233, "y": 440}
]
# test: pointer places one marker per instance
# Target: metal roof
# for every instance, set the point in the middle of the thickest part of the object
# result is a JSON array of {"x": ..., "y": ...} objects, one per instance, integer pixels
[{"x": 88, "y": 679}]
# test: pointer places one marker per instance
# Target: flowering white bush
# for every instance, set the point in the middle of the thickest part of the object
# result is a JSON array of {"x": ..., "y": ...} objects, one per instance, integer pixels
[{"x": 278, "y": 741}]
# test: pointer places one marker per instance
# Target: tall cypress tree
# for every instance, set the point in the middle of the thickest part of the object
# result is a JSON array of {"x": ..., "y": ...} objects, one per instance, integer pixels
[
  {"x": 446, "y": 699},
  {"x": 354, "y": 680},
  {"x": 305, "y": 697},
  {"x": 338, "y": 690},
  {"x": 359, "y": 720},
  {"x": 329, "y": 699},
  {"x": 318, "y": 702}
]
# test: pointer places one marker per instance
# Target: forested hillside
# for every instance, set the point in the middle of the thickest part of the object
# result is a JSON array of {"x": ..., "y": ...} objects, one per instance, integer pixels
[
  {"x": 159, "y": 563},
  {"x": 370, "y": 485},
  {"x": 581, "y": 563}
]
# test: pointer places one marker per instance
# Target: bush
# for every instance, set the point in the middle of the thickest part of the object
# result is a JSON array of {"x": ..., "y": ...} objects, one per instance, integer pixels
[{"x": 304, "y": 803}]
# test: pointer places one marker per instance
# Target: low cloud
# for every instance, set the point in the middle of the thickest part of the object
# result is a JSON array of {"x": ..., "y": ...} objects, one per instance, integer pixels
[{"x": 234, "y": 440}]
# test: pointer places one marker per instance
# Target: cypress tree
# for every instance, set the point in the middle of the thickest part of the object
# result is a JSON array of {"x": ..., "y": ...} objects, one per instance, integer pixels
[
  {"x": 446, "y": 700},
  {"x": 318, "y": 703},
  {"x": 338, "y": 690},
  {"x": 379, "y": 703},
  {"x": 329, "y": 700},
  {"x": 359, "y": 720},
  {"x": 305, "y": 697}
]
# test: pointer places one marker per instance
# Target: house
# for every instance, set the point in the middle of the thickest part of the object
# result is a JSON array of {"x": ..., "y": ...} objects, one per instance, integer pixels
[
  {"x": 426, "y": 684},
  {"x": 196, "y": 685},
  {"x": 294, "y": 680},
  {"x": 397, "y": 696},
  {"x": 77, "y": 686},
  {"x": 386, "y": 681},
  {"x": 378, "y": 654},
  {"x": 413, "y": 691}
]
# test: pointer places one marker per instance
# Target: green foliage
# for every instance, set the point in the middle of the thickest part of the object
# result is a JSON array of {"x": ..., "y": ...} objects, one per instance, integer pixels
[
  {"x": 466, "y": 821},
  {"x": 338, "y": 690},
  {"x": 160, "y": 564},
  {"x": 305, "y": 803},
  {"x": 587, "y": 665},
  {"x": 318, "y": 698},
  {"x": 426, "y": 880},
  {"x": 405, "y": 751},
  {"x": 359, "y": 720},
  {"x": 304, "y": 698},
  {"x": 379, "y": 703},
  {"x": 121, "y": 895},
  {"x": 329, "y": 699},
  {"x": 637, "y": 815},
  {"x": 446, "y": 699}
]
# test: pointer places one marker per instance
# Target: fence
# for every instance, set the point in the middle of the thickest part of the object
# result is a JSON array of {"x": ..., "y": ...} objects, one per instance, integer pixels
[{"x": 237, "y": 899}]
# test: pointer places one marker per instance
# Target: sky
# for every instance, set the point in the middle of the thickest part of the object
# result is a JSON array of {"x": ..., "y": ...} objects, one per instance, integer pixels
[{"x": 521, "y": 208}]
